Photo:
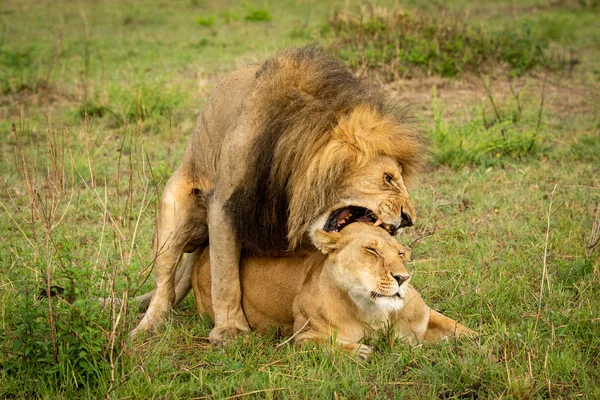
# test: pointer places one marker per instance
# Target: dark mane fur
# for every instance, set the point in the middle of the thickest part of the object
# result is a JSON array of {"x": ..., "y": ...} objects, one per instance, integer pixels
[{"x": 303, "y": 92}]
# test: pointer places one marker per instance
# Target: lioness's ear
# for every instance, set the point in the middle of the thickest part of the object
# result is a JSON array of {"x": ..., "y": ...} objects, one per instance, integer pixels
[
  {"x": 327, "y": 242},
  {"x": 405, "y": 252}
]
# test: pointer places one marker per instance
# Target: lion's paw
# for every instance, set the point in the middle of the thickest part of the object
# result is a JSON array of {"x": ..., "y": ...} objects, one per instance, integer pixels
[
  {"x": 145, "y": 327},
  {"x": 223, "y": 334},
  {"x": 142, "y": 331}
]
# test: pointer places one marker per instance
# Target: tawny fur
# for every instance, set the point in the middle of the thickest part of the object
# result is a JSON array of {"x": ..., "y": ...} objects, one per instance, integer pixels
[
  {"x": 322, "y": 298},
  {"x": 281, "y": 144}
]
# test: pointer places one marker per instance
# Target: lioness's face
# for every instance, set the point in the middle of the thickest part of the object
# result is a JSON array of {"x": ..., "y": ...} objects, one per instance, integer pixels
[
  {"x": 368, "y": 263},
  {"x": 374, "y": 193}
]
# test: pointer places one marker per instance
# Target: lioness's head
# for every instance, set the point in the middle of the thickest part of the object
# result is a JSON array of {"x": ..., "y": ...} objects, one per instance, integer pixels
[{"x": 368, "y": 264}]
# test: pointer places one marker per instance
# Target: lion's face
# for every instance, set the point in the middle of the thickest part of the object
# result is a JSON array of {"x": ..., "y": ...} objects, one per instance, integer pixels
[
  {"x": 368, "y": 264},
  {"x": 373, "y": 193}
]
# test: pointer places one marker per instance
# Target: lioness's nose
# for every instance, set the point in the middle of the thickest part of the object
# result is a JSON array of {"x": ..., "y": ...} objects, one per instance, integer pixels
[
  {"x": 406, "y": 219},
  {"x": 401, "y": 279}
]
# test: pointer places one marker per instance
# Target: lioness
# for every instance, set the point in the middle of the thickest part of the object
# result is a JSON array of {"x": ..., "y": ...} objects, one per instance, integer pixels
[
  {"x": 290, "y": 146},
  {"x": 358, "y": 284}
]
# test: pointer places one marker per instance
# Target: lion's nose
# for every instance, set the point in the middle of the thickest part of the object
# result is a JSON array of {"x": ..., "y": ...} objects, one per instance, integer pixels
[
  {"x": 401, "y": 279},
  {"x": 406, "y": 219}
]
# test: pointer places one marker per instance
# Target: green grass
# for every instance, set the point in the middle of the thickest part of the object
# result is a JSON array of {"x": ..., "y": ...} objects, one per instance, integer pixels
[
  {"x": 103, "y": 97},
  {"x": 257, "y": 14},
  {"x": 407, "y": 44},
  {"x": 492, "y": 135}
]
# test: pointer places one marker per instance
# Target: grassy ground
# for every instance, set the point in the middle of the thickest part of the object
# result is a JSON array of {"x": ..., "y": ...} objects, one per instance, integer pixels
[{"x": 97, "y": 100}]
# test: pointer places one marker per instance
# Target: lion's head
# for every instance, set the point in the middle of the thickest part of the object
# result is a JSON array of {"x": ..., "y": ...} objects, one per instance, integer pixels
[
  {"x": 368, "y": 264},
  {"x": 378, "y": 158},
  {"x": 331, "y": 150}
]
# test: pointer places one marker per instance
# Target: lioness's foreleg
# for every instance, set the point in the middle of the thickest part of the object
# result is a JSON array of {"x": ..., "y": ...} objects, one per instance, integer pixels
[
  {"x": 440, "y": 326},
  {"x": 359, "y": 350},
  {"x": 181, "y": 227}
]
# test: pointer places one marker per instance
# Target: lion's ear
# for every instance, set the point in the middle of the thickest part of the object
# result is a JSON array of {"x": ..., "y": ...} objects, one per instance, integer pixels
[{"x": 327, "y": 242}]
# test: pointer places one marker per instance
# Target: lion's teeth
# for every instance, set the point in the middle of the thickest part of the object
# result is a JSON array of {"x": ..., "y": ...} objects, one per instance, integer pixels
[{"x": 378, "y": 222}]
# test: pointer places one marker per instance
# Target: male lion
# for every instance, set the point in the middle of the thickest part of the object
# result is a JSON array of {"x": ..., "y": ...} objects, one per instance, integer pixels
[
  {"x": 358, "y": 285},
  {"x": 288, "y": 147}
]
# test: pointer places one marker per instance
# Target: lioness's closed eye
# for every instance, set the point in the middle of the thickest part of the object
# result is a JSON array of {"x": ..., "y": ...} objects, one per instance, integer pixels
[{"x": 358, "y": 282}]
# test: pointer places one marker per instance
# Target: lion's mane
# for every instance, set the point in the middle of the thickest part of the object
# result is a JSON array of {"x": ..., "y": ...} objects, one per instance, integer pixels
[{"x": 319, "y": 122}]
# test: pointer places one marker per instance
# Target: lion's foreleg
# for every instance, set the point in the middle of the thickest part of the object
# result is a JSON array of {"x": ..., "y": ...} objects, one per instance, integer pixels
[{"x": 225, "y": 283}]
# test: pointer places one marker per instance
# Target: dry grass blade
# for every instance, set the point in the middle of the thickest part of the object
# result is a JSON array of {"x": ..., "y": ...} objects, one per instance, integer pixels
[
  {"x": 594, "y": 239},
  {"x": 545, "y": 261},
  {"x": 254, "y": 392},
  {"x": 294, "y": 335}
]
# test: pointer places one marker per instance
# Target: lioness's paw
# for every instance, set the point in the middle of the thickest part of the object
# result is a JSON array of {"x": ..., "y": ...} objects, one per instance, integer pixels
[
  {"x": 220, "y": 335},
  {"x": 361, "y": 351},
  {"x": 462, "y": 330}
]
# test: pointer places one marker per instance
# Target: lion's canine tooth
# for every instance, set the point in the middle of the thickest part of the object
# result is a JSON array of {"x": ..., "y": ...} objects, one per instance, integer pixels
[{"x": 378, "y": 222}]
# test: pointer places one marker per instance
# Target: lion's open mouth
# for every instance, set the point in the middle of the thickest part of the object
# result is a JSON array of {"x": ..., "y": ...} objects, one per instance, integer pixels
[{"x": 343, "y": 217}]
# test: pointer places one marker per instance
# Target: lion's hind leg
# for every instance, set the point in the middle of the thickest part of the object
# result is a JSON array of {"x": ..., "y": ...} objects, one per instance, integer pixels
[
  {"x": 181, "y": 227},
  {"x": 181, "y": 289}
]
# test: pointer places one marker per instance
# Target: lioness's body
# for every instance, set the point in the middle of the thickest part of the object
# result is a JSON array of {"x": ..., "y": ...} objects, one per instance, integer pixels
[
  {"x": 268, "y": 289},
  {"x": 322, "y": 298},
  {"x": 282, "y": 145}
]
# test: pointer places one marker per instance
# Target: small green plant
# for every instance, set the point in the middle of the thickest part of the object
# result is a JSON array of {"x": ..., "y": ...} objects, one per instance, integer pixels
[
  {"x": 93, "y": 110},
  {"x": 149, "y": 102},
  {"x": 19, "y": 70},
  {"x": 207, "y": 21},
  {"x": 200, "y": 44},
  {"x": 229, "y": 16},
  {"x": 17, "y": 59},
  {"x": 257, "y": 14},
  {"x": 161, "y": 172},
  {"x": 72, "y": 352},
  {"x": 301, "y": 33}
]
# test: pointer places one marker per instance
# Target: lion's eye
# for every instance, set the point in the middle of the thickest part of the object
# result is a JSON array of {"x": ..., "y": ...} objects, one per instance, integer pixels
[{"x": 388, "y": 178}]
